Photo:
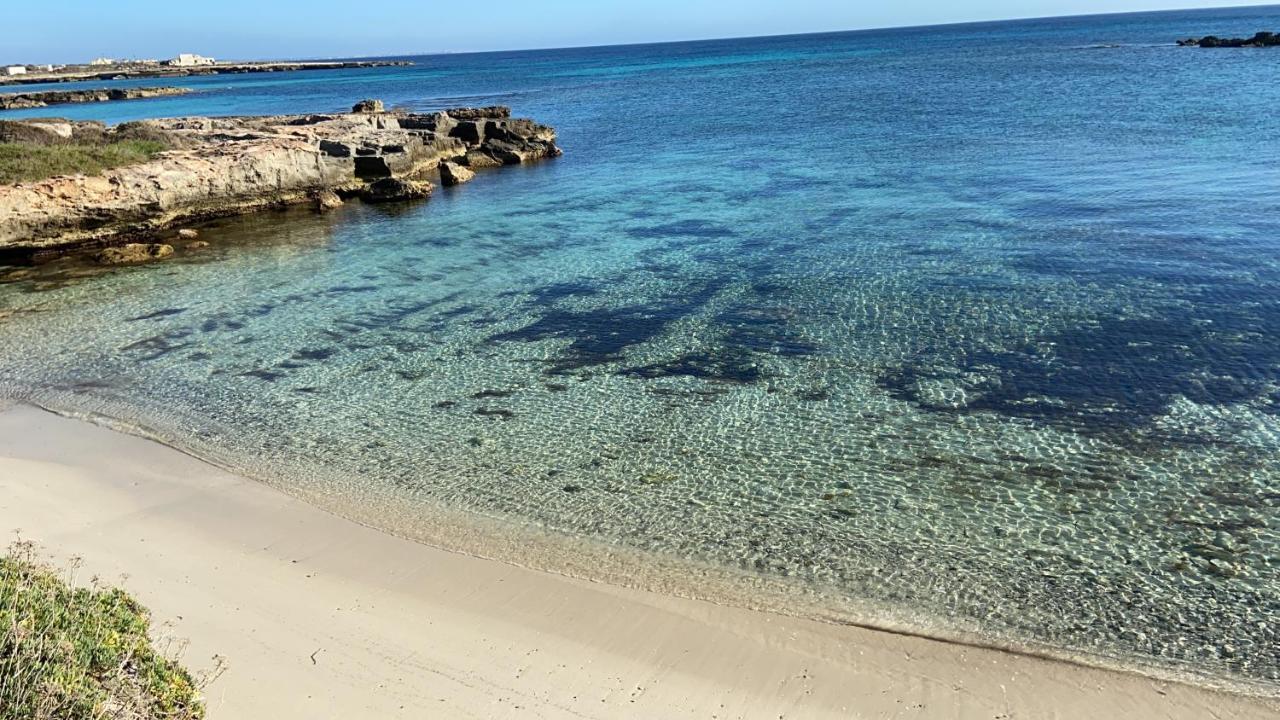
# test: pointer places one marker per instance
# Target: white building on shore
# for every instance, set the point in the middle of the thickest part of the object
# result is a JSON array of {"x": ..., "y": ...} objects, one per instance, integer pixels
[
  {"x": 189, "y": 60},
  {"x": 102, "y": 61},
  {"x": 15, "y": 70}
]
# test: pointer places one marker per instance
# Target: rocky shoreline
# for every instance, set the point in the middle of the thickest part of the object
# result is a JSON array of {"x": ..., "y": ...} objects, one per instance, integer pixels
[
  {"x": 229, "y": 166},
  {"x": 22, "y": 101},
  {"x": 161, "y": 71}
]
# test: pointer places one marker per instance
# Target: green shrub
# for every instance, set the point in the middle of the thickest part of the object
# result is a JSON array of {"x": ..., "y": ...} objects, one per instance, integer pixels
[
  {"x": 81, "y": 653},
  {"x": 21, "y": 162}
]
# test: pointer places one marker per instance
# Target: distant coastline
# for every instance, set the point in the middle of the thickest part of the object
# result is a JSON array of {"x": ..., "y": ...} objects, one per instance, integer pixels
[{"x": 128, "y": 72}]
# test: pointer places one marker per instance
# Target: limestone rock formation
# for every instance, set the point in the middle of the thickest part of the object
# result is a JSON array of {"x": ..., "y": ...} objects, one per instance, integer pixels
[
  {"x": 228, "y": 166},
  {"x": 455, "y": 174}
]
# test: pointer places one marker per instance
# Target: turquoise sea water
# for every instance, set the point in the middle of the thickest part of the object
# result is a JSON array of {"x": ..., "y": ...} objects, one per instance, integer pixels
[{"x": 969, "y": 330}]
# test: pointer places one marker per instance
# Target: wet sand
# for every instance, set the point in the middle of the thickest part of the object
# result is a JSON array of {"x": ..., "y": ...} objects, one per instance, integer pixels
[{"x": 321, "y": 617}]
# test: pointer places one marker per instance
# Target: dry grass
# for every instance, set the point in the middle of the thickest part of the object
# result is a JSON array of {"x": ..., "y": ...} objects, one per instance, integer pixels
[
  {"x": 29, "y": 151},
  {"x": 72, "y": 652},
  {"x": 22, "y": 162}
]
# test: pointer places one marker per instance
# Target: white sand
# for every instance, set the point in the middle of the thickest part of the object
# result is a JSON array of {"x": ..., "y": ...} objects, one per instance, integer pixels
[{"x": 319, "y": 617}]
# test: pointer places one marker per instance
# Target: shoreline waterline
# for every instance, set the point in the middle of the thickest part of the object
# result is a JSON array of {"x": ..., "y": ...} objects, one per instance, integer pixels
[
  {"x": 292, "y": 596},
  {"x": 512, "y": 541}
]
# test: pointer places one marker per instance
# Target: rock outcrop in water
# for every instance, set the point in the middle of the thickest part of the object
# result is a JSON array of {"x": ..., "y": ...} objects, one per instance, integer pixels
[
  {"x": 18, "y": 101},
  {"x": 133, "y": 253},
  {"x": 1261, "y": 39},
  {"x": 227, "y": 166},
  {"x": 368, "y": 106}
]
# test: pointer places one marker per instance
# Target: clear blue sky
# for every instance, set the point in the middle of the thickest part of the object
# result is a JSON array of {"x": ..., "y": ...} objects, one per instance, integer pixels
[{"x": 77, "y": 30}]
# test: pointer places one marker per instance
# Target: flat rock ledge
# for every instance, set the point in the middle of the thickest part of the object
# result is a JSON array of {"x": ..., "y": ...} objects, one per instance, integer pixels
[
  {"x": 19, "y": 101},
  {"x": 230, "y": 166}
]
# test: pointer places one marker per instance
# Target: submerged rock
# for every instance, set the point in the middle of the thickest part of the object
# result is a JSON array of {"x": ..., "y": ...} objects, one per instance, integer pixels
[
  {"x": 392, "y": 189},
  {"x": 188, "y": 234},
  {"x": 327, "y": 200},
  {"x": 133, "y": 253},
  {"x": 454, "y": 174}
]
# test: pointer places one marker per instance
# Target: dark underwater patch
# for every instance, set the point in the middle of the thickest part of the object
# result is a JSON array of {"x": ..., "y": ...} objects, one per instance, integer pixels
[
  {"x": 729, "y": 367},
  {"x": 350, "y": 289},
  {"x": 315, "y": 354},
  {"x": 549, "y": 294},
  {"x": 682, "y": 228},
  {"x": 267, "y": 375},
  {"x": 599, "y": 336},
  {"x": 764, "y": 330},
  {"x": 399, "y": 311},
  {"x": 167, "y": 312},
  {"x": 157, "y": 346},
  {"x": 456, "y": 312},
  {"x": 1121, "y": 372}
]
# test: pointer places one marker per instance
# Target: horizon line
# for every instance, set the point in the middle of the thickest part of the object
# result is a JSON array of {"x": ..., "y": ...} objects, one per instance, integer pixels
[
  {"x": 874, "y": 28},
  {"x": 646, "y": 43}
]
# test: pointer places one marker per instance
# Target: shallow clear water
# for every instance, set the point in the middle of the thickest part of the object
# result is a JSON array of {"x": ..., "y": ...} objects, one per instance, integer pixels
[{"x": 973, "y": 329}]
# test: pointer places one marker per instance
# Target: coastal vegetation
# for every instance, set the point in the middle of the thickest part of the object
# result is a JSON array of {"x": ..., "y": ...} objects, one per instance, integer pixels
[
  {"x": 39, "y": 150},
  {"x": 75, "y": 652},
  {"x": 21, "y": 162}
]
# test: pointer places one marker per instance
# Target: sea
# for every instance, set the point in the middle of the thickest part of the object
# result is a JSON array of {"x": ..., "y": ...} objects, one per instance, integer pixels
[{"x": 968, "y": 331}]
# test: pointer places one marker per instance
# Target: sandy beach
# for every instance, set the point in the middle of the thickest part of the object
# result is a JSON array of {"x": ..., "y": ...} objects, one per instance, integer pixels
[{"x": 319, "y": 617}]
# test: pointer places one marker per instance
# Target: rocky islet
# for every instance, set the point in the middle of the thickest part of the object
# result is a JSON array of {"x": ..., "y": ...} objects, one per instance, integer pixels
[{"x": 1259, "y": 40}]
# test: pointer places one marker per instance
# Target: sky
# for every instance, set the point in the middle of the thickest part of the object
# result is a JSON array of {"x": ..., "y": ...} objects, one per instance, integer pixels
[{"x": 78, "y": 30}]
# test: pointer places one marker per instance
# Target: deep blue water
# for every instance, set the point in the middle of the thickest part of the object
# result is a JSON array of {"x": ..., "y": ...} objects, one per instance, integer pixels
[{"x": 971, "y": 329}]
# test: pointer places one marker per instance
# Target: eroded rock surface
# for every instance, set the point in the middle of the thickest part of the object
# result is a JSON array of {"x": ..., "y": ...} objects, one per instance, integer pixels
[
  {"x": 227, "y": 166},
  {"x": 455, "y": 174}
]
